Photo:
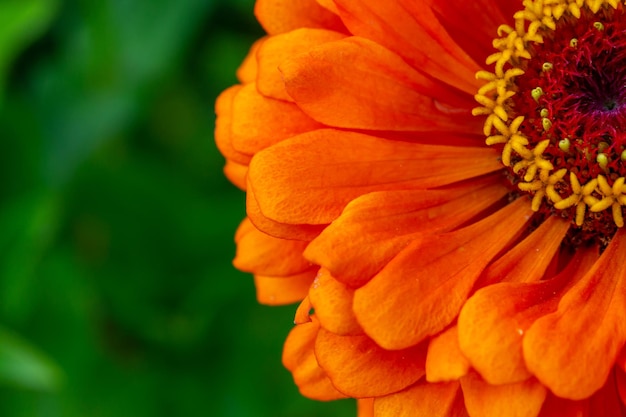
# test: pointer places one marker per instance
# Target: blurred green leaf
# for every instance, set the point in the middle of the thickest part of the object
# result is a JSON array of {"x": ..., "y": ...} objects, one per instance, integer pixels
[
  {"x": 23, "y": 366},
  {"x": 29, "y": 225},
  {"x": 21, "y": 21},
  {"x": 113, "y": 53}
]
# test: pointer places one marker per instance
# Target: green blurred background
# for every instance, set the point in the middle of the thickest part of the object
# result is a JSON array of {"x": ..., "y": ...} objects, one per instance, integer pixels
[{"x": 117, "y": 294}]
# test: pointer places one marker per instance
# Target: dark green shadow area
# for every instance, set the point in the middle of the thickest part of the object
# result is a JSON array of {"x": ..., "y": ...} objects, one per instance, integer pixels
[{"x": 117, "y": 293}]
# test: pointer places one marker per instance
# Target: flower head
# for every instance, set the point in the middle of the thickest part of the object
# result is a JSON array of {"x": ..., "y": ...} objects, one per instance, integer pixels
[{"x": 449, "y": 215}]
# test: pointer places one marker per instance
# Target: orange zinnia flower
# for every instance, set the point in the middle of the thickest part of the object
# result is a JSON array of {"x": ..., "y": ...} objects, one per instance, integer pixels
[{"x": 450, "y": 215}]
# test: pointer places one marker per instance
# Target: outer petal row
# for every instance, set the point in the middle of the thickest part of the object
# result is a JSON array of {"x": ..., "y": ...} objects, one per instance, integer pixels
[{"x": 310, "y": 178}]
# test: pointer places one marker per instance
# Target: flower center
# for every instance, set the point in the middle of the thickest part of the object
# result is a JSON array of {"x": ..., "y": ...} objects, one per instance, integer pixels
[{"x": 556, "y": 106}]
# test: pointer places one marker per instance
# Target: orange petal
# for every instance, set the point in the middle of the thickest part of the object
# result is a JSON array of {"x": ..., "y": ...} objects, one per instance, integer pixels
[
  {"x": 298, "y": 357},
  {"x": 572, "y": 350},
  {"x": 361, "y": 369},
  {"x": 485, "y": 15},
  {"x": 357, "y": 84},
  {"x": 259, "y": 122},
  {"x": 621, "y": 359},
  {"x": 310, "y": 178},
  {"x": 607, "y": 402},
  {"x": 275, "y": 291},
  {"x": 558, "y": 407},
  {"x": 373, "y": 228},
  {"x": 278, "y": 49},
  {"x": 421, "y": 291},
  {"x": 604, "y": 403},
  {"x": 223, "y": 126},
  {"x": 328, "y": 4},
  {"x": 332, "y": 301},
  {"x": 261, "y": 254},
  {"x": 365, "y": 407},
  {"x": 411, "y": 30},
  {"x": 535, "y": 253},
  {"x": 523, "y": 399},
  {"x": 620, "y": 379},
  {"x": 236, "y": 173},
  {"x": 248, "y": 70},
  {"x": 444, "y": 360},
  {"x": 276, "y": 229},
  {"x": 304, "y": 312},
  {"x": 280, "y": 16},
  {"x": 423, "y": 400},
  {"x": 493, "y": 321}
]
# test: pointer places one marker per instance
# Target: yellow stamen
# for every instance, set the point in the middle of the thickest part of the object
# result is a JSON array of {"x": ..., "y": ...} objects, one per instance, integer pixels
[
  {"x": 618, "y": 217},
  {"x": 502, "y": 125}
]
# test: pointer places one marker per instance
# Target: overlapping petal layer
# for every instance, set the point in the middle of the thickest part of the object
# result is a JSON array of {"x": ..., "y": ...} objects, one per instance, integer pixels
[
  {"x": 442, "y": 271},
  {"x": 376, "y": 226},
  {"x": 590, "y": 313},
  {"x": 299, "y": 358},
  {"x": 494, "y": 320},
  {"x": 355, "y": 83},
  {"x": 310, "y": 178},
  {"x": 417, "y": 37},
  {"x": 277, "y": 49}
]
